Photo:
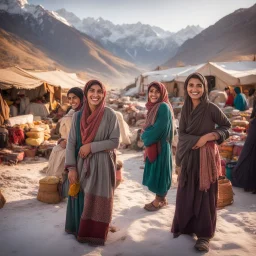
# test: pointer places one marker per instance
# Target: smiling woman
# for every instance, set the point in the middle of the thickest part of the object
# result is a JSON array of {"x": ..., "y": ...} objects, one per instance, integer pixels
[
  {"x": 199, "y": 159},
  {"x": 90, "y": 160}
]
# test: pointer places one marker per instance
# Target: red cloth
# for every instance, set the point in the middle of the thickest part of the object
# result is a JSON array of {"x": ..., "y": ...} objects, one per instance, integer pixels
[
  {"x": 16, "y": 136},
  {"x": 152, "y": 151},
  {"x": 210, "y": 165},
  {"x": 230, "y": 100},
  {"x": 90, "y": 122}
]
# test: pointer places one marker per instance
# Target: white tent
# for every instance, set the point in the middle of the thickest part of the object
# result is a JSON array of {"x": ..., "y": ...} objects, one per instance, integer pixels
[{"x": 227, "y": 73}]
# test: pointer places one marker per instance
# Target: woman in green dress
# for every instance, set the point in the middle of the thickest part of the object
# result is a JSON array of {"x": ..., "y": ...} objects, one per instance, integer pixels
[{"x": 157, "y": 137}]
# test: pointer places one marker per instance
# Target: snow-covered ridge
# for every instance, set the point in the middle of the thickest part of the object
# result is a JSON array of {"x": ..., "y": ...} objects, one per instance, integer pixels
[{"x": 22, "y": 7}]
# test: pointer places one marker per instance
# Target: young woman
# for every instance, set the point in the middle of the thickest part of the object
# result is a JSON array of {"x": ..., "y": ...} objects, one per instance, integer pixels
[
  {"x": 57, "y": 158},
  {"x": 201, "y": 125},
  {"x": 90, "y": 160},
  {"x": 157, "y": 138}
]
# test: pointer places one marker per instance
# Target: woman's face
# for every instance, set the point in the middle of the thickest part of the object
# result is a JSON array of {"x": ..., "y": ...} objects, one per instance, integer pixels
[
  {"x": 195, "y": 88},
  {"x": 73, "y": 100},
  {"x": 95, "y": 95},
  {"x": 153, "y": 94}
]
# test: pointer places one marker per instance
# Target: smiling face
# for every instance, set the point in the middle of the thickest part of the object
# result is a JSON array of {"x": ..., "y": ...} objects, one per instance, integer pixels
[
  {"x": 94, "y": 96},
  {"x": 195, "y": 89},
  {"x": 153, "y": 94},
  {"x": 73, "y": 100}
]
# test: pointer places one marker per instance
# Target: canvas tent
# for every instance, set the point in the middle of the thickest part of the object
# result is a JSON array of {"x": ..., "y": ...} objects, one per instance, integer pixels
[
  {"x": 241, "y": 73},
  {"x": 167, "y": 77}
]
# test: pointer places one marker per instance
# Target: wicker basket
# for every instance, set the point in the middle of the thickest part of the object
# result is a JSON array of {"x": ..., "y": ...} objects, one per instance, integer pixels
[
  {"x": 225, "y": 194},
  {"x": 48, "y": 190}
]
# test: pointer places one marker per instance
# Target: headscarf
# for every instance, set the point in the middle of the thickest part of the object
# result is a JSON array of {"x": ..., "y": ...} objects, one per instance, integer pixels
[
  {"x": 90, "y": 121},
  {"x": 4, "y": 110},
  {"x": 79, "y": 93},
  {"x": 237, "y": 90}
]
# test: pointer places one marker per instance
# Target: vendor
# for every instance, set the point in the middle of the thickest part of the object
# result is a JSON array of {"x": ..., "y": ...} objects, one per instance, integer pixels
[
  {"x": 240, "y": 101},
  {"x": 230, "y": 99},
  {"x": 4, "y": 111}
]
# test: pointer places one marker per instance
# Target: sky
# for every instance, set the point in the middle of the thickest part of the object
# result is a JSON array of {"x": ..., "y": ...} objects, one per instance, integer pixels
[{"x": 171, "y": 15}]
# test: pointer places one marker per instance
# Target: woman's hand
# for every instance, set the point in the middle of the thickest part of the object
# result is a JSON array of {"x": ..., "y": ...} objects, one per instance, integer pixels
[
  {"x": 72, "y": 176},
  {"x": 85, "y": 150},
  {"x": 201, "y": 142},
  {"x": 63, "y": 144}
]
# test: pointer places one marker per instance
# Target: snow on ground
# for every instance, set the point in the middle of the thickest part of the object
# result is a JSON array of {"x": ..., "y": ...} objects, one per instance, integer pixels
[{"x": 29, "y": 227}]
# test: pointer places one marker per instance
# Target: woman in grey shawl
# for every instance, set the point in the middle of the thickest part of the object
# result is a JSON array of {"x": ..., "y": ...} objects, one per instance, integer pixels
[{"x": 196, "y": 208}]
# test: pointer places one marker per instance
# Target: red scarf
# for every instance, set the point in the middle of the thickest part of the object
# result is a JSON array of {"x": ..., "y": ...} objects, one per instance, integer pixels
[
  {"x": 90, "y": 121},
  {"x": 152, "y": 151}
]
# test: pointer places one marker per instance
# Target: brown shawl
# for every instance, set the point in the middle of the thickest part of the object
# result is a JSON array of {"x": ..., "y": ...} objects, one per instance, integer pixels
[
  {"x": 190, "y": 120},
  {"x": 4, "y": 110},
  {"x": 153, "y": 150},
  {"x": 90, "y": 122}
]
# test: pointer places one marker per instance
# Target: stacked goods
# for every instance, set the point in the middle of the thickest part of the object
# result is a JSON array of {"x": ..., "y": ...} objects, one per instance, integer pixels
[
  {"x": 48, "y": 190},
  {"x": 35, "y": 136},
  {"x": 225, "y": 193},
  {"x": 226, "y": 150},
  {"x": 11, "y": 156}
]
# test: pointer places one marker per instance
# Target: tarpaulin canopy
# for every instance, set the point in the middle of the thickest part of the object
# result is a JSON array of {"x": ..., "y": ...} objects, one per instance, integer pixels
[{"x": 12, "y": 78}]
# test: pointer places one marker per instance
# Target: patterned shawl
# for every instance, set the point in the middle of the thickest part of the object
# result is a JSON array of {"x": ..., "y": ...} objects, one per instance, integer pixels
[{"x": 90, "y": 122}]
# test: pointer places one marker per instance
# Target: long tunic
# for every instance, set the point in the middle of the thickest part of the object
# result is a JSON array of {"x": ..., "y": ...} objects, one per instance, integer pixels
[
  {"x": 196, "y": 210},
  {"x": 89, "y": 214},
  {"x": 157, "y": 175}
]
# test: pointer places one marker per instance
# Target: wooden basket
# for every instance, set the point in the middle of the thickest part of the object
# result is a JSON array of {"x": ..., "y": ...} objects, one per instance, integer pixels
[{"x": 225, "y": 193}]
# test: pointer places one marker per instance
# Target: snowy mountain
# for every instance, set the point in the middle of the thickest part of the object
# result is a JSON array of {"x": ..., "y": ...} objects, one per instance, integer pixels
[
  {"x": 140, "y": 43},
  {"x": 56, "y": 42}
]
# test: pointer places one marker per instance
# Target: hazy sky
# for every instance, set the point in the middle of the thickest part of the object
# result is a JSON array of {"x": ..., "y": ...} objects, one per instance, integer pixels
[{"x": 171, "y": 15}]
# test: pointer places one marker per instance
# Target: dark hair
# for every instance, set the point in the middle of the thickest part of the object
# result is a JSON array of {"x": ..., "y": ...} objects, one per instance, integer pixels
[
  {"x": 251, "y": 91},
  {"x": 227, "y": 88},
  {"x": 154, "y": 85},
  {"x": 78, "y": 92},
  {"x": 90, "y": 84},
  {"x": 202, "y": 80}
]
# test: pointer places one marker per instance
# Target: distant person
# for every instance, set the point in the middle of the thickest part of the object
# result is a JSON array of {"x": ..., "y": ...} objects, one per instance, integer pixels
[
  {"x": 157, "y": 137},
  {"x": 230, "y": 99},
  {"x": 119, "y": 170},
  {"x": 4, "y": 111},
  {"x": 251, "y": 98},
  {"x": 202, "y": 125},
  {"x": 240, "y": 101},
  {"x": 244, "y": 173}
]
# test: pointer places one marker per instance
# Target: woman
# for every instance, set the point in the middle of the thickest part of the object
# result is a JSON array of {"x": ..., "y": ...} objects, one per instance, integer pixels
[
  {"x": 157, "y": 138},
  {"x": 244, "y": 173},
  {"x": 57, "y": 158},
  {"x": 198, "y": 156},
  {"x": 240, "y": 102},
  {"x": 90, "y": 160},
  {"x": 4, "y": 111},
  {"x": 230, "y": 99}
]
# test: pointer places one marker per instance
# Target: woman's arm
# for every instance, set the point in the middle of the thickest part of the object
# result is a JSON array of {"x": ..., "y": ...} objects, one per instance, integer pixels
[
  {"x": 70, "y": 160},
  {"x": 113, "y": 141},
  {"x": 155, "y": 132}
]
